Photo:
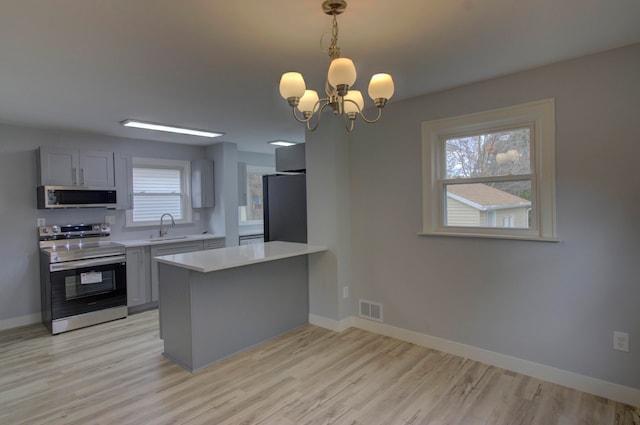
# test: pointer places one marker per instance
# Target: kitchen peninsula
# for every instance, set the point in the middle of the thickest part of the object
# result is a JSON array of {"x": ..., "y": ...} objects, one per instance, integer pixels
[{"x": 218, "y": 302}]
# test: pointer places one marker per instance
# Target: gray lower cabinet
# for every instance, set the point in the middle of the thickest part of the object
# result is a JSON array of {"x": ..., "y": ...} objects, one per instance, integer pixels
[
  {"x": 213, "y": 243},
  {"x": 168, "y": 249},
  {"x": 138, "y": 276},
  {"x": 142, "y": 271}
]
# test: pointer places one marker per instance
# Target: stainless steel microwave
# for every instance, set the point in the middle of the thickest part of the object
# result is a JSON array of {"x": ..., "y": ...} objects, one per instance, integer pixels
[{"x": 75, "y": 197}]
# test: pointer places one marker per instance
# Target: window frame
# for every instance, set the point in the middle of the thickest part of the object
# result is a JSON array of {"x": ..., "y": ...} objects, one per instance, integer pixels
[
  {"x": 184, "y": 166},
  {"x": 540, "y": 116}
]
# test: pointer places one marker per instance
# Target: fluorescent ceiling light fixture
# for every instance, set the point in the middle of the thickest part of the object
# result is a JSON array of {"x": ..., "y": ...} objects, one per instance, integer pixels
[
  {"x": 169, "y": 128},
  {"x": 282, "y": 143}
]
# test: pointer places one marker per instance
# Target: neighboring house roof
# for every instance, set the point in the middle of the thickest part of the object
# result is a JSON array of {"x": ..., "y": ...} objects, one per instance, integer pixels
[{"x": 483, "y": 197}]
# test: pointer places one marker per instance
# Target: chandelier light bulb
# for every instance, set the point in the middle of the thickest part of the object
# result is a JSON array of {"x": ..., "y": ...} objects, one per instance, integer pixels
[
  {"x": 292, "y": 85},
  {"x": 381, "y": 86},
  {"x": 309, "y": 102},
  {"x": 353, "y": 96},
  {"x": 342, "y": 71}
]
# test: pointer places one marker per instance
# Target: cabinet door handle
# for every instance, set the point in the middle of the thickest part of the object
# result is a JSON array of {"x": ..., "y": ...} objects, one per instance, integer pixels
[
  {"x": 82, "y": 176},
  {"x": 74, "y": 176}
]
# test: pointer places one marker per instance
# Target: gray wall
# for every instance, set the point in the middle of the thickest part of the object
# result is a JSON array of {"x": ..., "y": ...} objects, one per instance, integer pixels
[
  {"x": 552, "y": 303},
  {"x": 19, "y": 270},
  {"x": 328, "y": 217},
  {"x": 225, "y": 213},
  {"x": 257, "y": 158}
]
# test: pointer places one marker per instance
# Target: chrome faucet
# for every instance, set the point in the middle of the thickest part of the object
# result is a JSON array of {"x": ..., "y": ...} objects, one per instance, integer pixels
[{"x": 163, "y": 231}]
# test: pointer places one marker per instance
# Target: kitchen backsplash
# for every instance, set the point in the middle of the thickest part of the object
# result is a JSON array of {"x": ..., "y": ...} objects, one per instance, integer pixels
[{"x": 118, "y": 230}]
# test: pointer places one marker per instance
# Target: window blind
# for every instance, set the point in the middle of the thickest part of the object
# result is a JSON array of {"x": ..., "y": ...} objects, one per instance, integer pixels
[{"x": 156, "y": 191}]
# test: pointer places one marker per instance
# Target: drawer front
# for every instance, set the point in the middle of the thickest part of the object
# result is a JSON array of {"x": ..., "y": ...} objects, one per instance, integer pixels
[
  {"x": 213, "y": 243},
  {"x": 176, "y": 248}
]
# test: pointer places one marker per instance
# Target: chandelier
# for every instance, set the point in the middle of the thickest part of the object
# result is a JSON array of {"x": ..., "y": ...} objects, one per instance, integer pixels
[{"x": 339, "y": 95}]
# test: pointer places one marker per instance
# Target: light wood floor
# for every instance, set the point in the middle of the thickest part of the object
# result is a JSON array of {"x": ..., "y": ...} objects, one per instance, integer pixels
[{"x": 114, "y": 373}]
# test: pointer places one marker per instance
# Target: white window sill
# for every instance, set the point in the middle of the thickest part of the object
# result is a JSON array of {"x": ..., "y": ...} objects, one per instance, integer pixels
[{"x": 490, "y": 236}]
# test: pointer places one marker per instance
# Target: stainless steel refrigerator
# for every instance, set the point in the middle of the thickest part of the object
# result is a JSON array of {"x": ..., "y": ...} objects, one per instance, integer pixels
[{"x": 285, "y": 207}]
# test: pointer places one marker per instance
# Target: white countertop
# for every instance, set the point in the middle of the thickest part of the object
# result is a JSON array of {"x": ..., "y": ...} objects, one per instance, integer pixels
[
  {"x": 238, "y": 256},
  {"x": 167, "y": 239}
]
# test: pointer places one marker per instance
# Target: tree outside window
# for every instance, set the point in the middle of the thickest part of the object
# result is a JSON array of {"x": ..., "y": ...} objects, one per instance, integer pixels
[{"x": 488, "y": 159}]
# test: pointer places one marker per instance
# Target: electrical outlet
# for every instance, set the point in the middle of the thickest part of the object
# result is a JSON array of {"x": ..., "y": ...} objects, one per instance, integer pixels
[
  {"x": 345, "y": 292},
  {"x": 42, "y": 222},
  {"x": 110, "y": 219},
  {"x": 621, "y": 341}
]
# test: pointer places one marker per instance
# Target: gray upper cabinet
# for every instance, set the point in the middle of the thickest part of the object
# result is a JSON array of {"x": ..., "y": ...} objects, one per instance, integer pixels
[
  {"x": 71, "y": 167},
  {"x": 202, "y": 183},
  {"x": 291, "y": 158},
  {"x": 58, "y": 167},
  {"x": 96, "y": 169},
  {"x": 124, "y": 180}
]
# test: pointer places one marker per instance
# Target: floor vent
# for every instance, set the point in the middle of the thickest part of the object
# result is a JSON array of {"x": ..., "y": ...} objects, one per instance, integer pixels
[{"x": 371, "y": 310}]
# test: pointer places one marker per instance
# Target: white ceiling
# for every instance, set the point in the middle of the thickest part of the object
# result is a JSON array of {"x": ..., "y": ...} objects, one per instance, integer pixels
[{"x": 211, "y": 64}]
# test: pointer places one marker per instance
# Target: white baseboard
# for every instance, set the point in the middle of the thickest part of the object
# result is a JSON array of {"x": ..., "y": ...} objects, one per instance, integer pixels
[
  {"x": 587, "y": 384},
  {"x": 15, "y": 322},
  {"x": 334, "y": 325}
]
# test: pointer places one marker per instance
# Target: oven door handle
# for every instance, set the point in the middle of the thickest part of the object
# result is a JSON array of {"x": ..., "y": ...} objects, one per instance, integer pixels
[{"x": 70, "y": 265}]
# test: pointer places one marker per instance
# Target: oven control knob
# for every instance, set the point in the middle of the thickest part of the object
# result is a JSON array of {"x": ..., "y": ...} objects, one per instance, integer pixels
[
  {"x": 95, "y": 227},
  {"x": 105, "y": 226},
  {"x": 45, "y": 230},
  {"x": 55, "y": 229}
]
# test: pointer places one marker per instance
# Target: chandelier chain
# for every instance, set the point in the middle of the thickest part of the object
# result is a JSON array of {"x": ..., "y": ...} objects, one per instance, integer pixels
[{"x": 334, "y": 50}]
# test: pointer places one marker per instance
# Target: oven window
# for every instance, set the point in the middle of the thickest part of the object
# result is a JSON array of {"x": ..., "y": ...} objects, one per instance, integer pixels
[
  {"x": 88, "y": 283},
  {"x": 87, "y": 289}
]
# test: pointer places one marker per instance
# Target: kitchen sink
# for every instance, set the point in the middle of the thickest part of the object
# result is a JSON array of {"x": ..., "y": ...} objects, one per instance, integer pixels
[{"x": 167, "y": 238}]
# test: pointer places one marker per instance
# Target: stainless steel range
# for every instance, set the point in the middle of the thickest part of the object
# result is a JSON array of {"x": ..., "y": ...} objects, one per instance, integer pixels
[{"x": 83, "y": 276}]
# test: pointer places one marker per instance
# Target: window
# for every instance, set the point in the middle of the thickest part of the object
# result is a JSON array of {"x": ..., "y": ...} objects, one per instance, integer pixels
[
  {"x": 491, "y": 174},
  {"x": 251, "y": 212},
  {"x": 160, "y": 186}
]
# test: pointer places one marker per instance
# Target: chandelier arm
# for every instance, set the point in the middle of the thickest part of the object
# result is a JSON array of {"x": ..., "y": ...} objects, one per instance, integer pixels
[
  {"x": 348, "y": 123},
  {"x": 302, "y": 120},
  {"x": 365, "y": 119},
  {"x": 360, "y": 111},
  {"x": 315, "y": 126},
  {"x": 316, "y": 106}
]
